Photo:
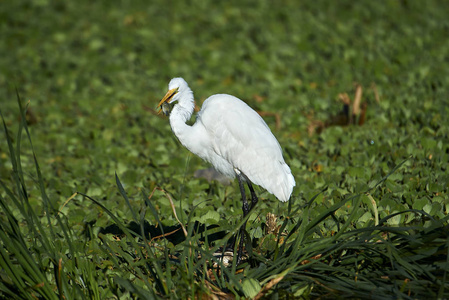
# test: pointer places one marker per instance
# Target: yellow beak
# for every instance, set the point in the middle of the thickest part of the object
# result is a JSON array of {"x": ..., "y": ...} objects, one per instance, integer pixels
[{"x": 167, "y": 98}]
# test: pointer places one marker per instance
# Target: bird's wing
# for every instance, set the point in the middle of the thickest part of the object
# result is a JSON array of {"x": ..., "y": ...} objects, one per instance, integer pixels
[{"x": 240, "y": 136}]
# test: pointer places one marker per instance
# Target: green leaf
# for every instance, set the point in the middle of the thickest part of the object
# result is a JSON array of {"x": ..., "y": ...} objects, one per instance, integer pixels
[{"x": 251, "y": 287}]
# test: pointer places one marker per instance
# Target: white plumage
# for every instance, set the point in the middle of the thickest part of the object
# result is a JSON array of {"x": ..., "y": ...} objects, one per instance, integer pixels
[{"x": 232, "y": 137}]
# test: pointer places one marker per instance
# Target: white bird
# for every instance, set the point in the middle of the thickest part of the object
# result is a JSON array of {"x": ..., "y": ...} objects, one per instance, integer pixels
[{"x": 233, "y": 138}]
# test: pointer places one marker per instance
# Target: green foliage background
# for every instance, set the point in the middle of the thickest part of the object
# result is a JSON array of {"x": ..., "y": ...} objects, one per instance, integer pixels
[{"x": 93, "y": 73}]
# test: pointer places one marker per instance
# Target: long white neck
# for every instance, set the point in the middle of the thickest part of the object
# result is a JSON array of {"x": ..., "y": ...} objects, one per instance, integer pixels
[{"x": 181, "y": 112}]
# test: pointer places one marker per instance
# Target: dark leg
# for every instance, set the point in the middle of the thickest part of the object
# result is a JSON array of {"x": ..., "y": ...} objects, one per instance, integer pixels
[
  {"x": 245, "y": 207},
  {"x": 245, "y": 212},
  {"x": 254, "y": 198}
]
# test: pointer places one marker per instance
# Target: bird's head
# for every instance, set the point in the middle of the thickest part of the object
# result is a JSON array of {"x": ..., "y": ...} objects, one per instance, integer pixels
[{"x": 175, "y": 89}]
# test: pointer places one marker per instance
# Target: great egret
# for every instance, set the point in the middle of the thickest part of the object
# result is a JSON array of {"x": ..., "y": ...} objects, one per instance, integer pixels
[{"x": 234, "y": 139}]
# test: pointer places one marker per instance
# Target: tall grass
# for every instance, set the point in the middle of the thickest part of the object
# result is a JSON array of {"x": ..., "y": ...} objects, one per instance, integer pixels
[{"x": 41, "y": 256}]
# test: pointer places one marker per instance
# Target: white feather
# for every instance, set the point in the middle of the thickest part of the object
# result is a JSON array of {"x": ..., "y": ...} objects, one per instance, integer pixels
[{"x": 232, "y": 137}]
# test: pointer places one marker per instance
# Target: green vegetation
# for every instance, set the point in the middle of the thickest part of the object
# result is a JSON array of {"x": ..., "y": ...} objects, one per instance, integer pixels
[{"x": 79, "y": 82}]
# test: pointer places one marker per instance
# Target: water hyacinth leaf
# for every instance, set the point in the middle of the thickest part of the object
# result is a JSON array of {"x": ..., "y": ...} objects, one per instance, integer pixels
[{"x": 251, "y": 287}]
